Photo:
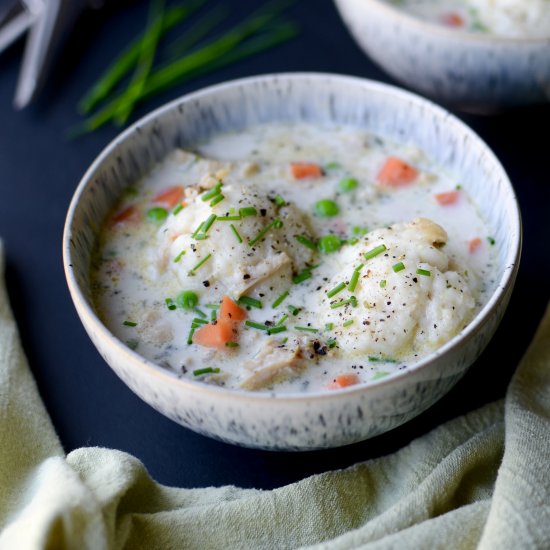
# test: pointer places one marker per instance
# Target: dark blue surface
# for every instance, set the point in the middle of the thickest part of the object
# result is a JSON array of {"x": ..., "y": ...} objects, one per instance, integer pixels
[{"x": 40, "y": 168}]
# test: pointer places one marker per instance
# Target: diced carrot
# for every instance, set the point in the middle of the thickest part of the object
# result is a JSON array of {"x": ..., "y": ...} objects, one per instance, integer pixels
[
  {"x": 452, "y": 19},
  {"x": 303, "y": 170},
  {"x": 129, "y": 214},
  {"x": 216, "y": 335},
  {"x": 229, "y": 310},
  {"x": 447, "y": 198},
  {"x": 343, "y": 381},
  {"x": 396, "y": 173},
  {"x": 169, "y": 197},
  {"x": 474, "y": 244}
]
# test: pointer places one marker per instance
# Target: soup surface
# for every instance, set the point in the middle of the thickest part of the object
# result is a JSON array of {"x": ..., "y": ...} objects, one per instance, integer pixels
[
  {"x": 513, "y": 18},
  {"x": 292, "y": 258}
]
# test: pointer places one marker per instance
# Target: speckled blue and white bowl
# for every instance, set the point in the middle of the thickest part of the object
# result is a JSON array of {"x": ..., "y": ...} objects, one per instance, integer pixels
[
  {"x": 294, "y": 422},
  {"x": 474, "y": 71}
]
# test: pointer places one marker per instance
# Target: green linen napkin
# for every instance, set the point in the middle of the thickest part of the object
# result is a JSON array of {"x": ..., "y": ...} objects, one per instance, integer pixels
[{"x": 480, "y": 481}]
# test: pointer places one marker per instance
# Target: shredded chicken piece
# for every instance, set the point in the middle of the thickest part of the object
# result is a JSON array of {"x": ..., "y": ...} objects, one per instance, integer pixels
[
  {"x": 259, "y": 272},
  {"x": 272, "y": 364}
]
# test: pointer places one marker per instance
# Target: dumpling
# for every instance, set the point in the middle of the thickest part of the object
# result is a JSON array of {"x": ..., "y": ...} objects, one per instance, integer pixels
[
  {"x": 242, "y": 241},
  {"x": 406, "y": 297}
]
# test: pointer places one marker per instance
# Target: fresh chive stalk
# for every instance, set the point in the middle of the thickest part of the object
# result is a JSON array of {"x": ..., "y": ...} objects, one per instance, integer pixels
[
  {"x": 217, "y": 199},
  {"x": 381, "y": 359},
  {"x": 232, "y": 344},
  {"x": 276, "y": 329},
  {"x": 281, "y": 320},
  {"x": 177, "y": 209},
  {"x": 145, "y": 62},
  {"x": 424, "y": 272},
  {"x": 129, "y": 324},
  {"x": 348, "y": 323},
  {"x": 208, "y": 223},
  {"x": 216, "y": 190},
  {"x": 229, "y": 218},
  {"x": 293, "y": 309},
  {"x": 353, "y": 281},
  {"x": 302, "y": 276},
  {"x": 399, "y": 266},
  {"x": 170, "y": 304},
  {"x": 247, "y": 211}
]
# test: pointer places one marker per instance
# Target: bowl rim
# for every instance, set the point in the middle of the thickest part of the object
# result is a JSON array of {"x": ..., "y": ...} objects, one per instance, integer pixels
[
  {"x": 456, "y": 35},
  {"x": 135, "y": 360}
]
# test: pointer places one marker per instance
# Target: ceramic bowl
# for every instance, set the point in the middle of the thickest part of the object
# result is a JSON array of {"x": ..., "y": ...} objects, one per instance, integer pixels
[
  {"x": 325, "y": 419},
  {"x": 473, "y": 71}
]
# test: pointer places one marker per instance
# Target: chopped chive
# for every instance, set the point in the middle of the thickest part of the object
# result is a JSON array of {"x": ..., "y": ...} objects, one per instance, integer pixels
[
  {"x": 187, "y": 299},
  {"x": 206, "y": 370},
  {"x": 228, "y": 218},
  {"x": 379, "y": 374},
  {"x": 259, "y": 326},
  {"x": 424, "y": 272},
  {"x": 248, "y": 211},
  {"x": 399, "y": 266},
  {"x": 280, "y": 299},
  {"x": 381, "y": 359},
  {"x": 170, "y": 304},
  {"x": 284, "y": 340},
  {"x": 491, "y": 241},
  {"x": 217, "y": 199},
  {"x": 302, "y": 276},
  {"x": 351, "y": 301},
  {"x": 383, "y": 283},
  {"x": 281, "y": 320},
  {"x": 276, "y": 329},
  {"x": 177, "y": 209},
  {"x": 232, "y": 344},
  {"x": 200, "y": 312},
  {"x": 338, "y": 288},
  {"x": 375, "y": 251},
  {"x": 199, "y": 321},
  {"x": 329, "y": 326},
  {"x": 302, "y": 239},
  {"x": 193, "y": 269},
  {"x": 275, "y": 223},
  {"x": 358, "y": 230},
  {"x": 249, "y": 302},
  {"x": 279, "y": 201},
  {"x": 201, "y": 237},
  {"x": 293, "y": 310},
  {"x": 348, "y": 323},
  {"x": 208, "y": 223},
  {"x": 197, "y": 231},
  {"x": 190, "y": 336},
  {"x": 213, "y": 315},
  {"x": 236, "y": 233},
  {"x": 216, "y": 190},
  {"x": 359, "y": 268},
  {"x": 129, "y": 324},
  {"x": 212, "y": 306},
  {"x": 331, "y": 342},
  {"x": 333, "y": 166},
  {"x": 306, "y": 329},
  {"x": 353, "y": 281}
]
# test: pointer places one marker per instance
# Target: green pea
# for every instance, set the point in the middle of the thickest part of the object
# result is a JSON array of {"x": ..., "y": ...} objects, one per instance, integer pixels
[
  {"x": 187, "y": 299},
  {"x": 329, "y": 244},
  {"x": 348, "y": 184},
  {"x": 326, "y": 208},
  {"x": 157, "y": 214}
]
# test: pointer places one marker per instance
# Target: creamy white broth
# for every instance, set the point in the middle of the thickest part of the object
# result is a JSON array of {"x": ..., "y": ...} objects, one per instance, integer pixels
[
  {"x": 135, "y": 271},
  {"x": 513, "y": 18}
]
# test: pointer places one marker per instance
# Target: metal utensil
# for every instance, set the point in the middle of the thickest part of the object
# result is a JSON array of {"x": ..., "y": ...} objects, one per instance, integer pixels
[{"x": 47, "y": 22}]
